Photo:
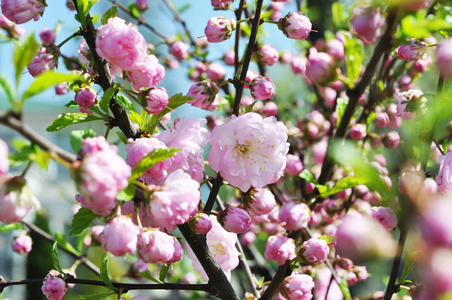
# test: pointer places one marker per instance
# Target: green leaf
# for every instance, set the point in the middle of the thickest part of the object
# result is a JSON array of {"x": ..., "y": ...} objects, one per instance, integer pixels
[
  {"x": 56, "y": 260},
  {"x": 147, "y": 274},
  {"x": 67, "y": 119},
  {"x": 84, "y": 6},
  {"x": 329, "y": 239},
  {"x": 7, "y": 86},
  {"x": 111, "y": 13},
  {"x": 46, "y": 80},
  {"x": 82, "y": 219},
  {"x": 122, "y": 137},
  {"x": 41, "y": 157},
  {"x": 249, "y": 108},
  {"x": 338, "y": 12},
  {"x": 163, "y": 272},
  {"x": 126, "y": 194},
  {"x": 340, "y": 109},
  {"x": 11, "y": 226},
  {"x": 354, "y": 54},
  {"x": 346, "y": 183},
  {"x": 173, "y": 103},
  {"x": 151, "y": 159},
  {"x": 409, "y": 264},
  {"x": 106, "y": 97},
  {"x": 60, "y": 238},
  {"x": 24, "y": 52},
  {"x": 104, "y": 273},
  {"x": 307, "y": 175},
  {"x": 123, "y": 101},
  {"x": 133, "y": 9},
  {"x": 77, "y": 136},
  {"x": 96, "y": 297},
  {"x": 344, "y": 288}
]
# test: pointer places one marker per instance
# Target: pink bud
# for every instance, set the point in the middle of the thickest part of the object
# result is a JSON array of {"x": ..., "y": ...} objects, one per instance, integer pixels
[
  {"x": 262, "y": 88},
  {"x": 280, "y": 248},
  {"x": 298, "y": 65},
  {"x": 247, "y": 238},
  {"x": 259, "y": 201},
  {"x": 154, "y": 246},
  {"x": 391, "y": 139},
  {"x": 215, "y": 72},
  {"x": 294, "y": 166},
  {"x": 385, "y": 216},
  {"x": 411, "y": 104},
  {"x": 435, "y": 222},
  {"x": 22, "y": 244},
  {"x": 235, "y": 219},
  {"x": 179, "y": 50},
  {"x": 335, "y": 48},
  {"x": 297, "y": 286},
  {"x": 120, "y": 236},
  {"x": 21, "y": 11},
  {"x": 295, "y": 26},
  {"x": 443, "y": 178},
  {"x": 221, "y": 4},
  {"x": 61, "y": 88},
  {"x": 229, "y": 57},
  {"x": 42, "y": 62},
  {"x": 294, "y": 215},
  {"x": 270, "y": 109},
  {"x": 381, "y": 120},
  {"x": 204, "y": 93},
  {"x": 54, "y": 286},
  {"x": 321, "y": 68},
  {"x": 412, "y": 51},
  {"x": 219, "y": 29},
  {"x": 410, "y": 182},
  {"x": 145, "y": 72},
  {"x": 315, "y": 251},
  {"x": 156, "y": 100},
  {"x": 16, "y": 200},
  {"x": 86, "y": 97},
  {"x": 141, "y": 4},
  {"x": 202, "y": 223},
  {"x": 268, "y": 55},
  {"x": 4, "y": 162},
  {"x": 358, "y": 132},
  {"x": 367, "y": 22},
  {"x": 47, "y": 36}
]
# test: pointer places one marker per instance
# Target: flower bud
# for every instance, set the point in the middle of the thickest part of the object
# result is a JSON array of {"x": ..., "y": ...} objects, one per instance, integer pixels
[
  {"x": 4, "y": 162},
  {"x": 381, "y": 120},
  {"x": 235, "y": 219},
  {"x": 62, "y": 88},
  {"x": 86, "y": 97},
  {"x": 229, "y": 57},
  {"x": 297, "y": 286},
  {"x": 154, "y": 100},
  {"x": 120, "y": 236},
  {"x": 262, "y": 88},
  {"x": 385, "y": 216},
  {"x": 315, "y": 251},
  {"x": 358, "y": 132},
  {"x": 142, "y": 5},
  {"x": 321, "y": 68},
  {"x": 179, "y": 50},
  {"x": 391, "y": 139},
  {"x": 295, "y": 26},
  {"x": 268, "y": 55},
  {"x": 154, "y": 245},
  {"x": 367, "y": 22},
  {"x": 294, "y": 216},
  {"x": 219, "y": 29},
  {"x": 54, "y": 287},
  {"x": 13, "y": 30},
  {"x": 221, "y": 4},
  {"x": 42, "y": 62},
  {"x": 47, "y": 36},
  {"x": 259, "y": 201},
  {"x": 411, "y": 104},
  {"x": 294, "y": 166},
  {"x": 412, "y": 51},
  {"x": 280, "y": 248},
  {"x": 22, "y": 244},
  {"x": 204, "y": 93},
  {"x": 270, "y": 109},
  {"x": 201, "y": 223},
  {"x": 215, "y": 72},
  {"x": 21, "y": 11}
]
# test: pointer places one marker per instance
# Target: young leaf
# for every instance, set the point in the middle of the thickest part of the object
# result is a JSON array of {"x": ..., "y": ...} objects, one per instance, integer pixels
[
  {"x": 126, "y": 194},
  {"x": 84, "y": 6},
  {"x": 106, "y": 97},
  {"x": 345, "y": 183},
  {"x": 111, "y": 13},
  {"x": 123, "y": 101},
  {"x": 46, "y": 80},
  {"x": 340, "y": 109},
  {"x": 163, "y": 272},
  {"x": 329, "y": 239},
  {"x": 338, "y": 11},
  {"x": 409, "y": 263},
  {"x": 82, "y": 219},
  {"x": 67, "y": 119},
  {"x": 104, "y": 273},
  {"x": 354, "y": 54},
  {"x": 56, "y": 260},
  {"x": 122, "y": 137},
  {"x": 24, "y": 52},
  {"x": 77, "y": 136},
  {"x": 147, "y": 274},
  {"x": 60, "y": 238},
  {"x": 151, "y": 159},
  {"x": 307, "y": 175},
  {"x": 173, "y": 103},
  {"x": 7, "y": 86},
  {"x": 11, "y": 226},
  {"x": 344, "y": 288},
  {"x": 41, "y": 157}
]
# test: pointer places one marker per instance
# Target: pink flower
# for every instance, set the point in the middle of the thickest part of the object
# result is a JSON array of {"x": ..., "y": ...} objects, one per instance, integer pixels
[
  {"x": 444, "y": 57},
  {"x": 444, "y": 177},
  {"x": 268, "y": 55},
  {"x": 86, "y": 97},
  {"x": 47, "y": 36},
  {"x": 190, "y": 135},
  {"x": 411, "y": 104},
  {"x": 120, "y": 44},
  {"x": 315, "y": 251},
  {"x": 229, "y": 57},
  {"x": 154, "y": 245},
  {"x": 95, "y": 144},
  {"x": 280, "y": 248},
  {"x": 219, "y": 29},
  {"x": 54, "y": 287},
  {"x": 294, "y": 166},
  {"x": 359, "y": 237},
  {"x": 146, "y": 72},
  {"x": 99, "y": 179},
  {"x": 262, "y": 88},
  {"x": 21, "y": 11},
  {"x": 336, "y": 48},
  {"x": 4, "y": 162},
  {"x": 412, "y": 51},
  {"x": 176, "y": 202},
  {"x": 298, "y": 65},
  {"x": 215, "y": 72},
  {"x": 42, "y": 62},
  {"x": 295, "y": 26},
  {"x": 297, "y": 287},
  {"x": 22, "y": 244},
  {"x": 62, "y": 88},
  {"x": 139, "y": 148},
  {"x": 155, "y": 100},
  {"x": 381, "y": 119},
  {"x": 204, "y": 93},
  {"x": 321, "y": 68},
  {"x": 259, "y": 201},
  {"x": 179, "y": 50},
  {"x": 248, "y": 151},
  {"x": 270, "y": 109},
  {"x": 120, "y": 236},
  {"x": 358, "y": 131},
  {"x": 201, "y": 223},
  {"x": 385, "y": 216},
  {"x": 367, "y": 22},
  {"x": 235, "y": 219},
  {"x": 435, "y": 222},
  {"x": 294, "y": 215},
  {"x": 221, "y": 244},
  {"x": 141, "y": 4},
  {"x": 16, "y": 200},
  {"x": 221, "y": 4}
]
